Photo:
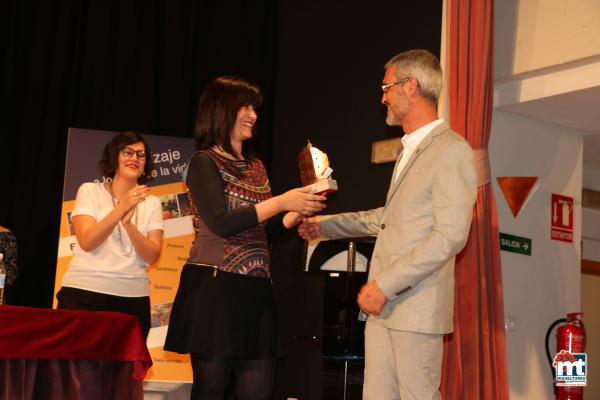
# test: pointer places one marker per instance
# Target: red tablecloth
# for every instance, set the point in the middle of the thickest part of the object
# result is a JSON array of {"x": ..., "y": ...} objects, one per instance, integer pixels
[{"x": 101, "y": 347}]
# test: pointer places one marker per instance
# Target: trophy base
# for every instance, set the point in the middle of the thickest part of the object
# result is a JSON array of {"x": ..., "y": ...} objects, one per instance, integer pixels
[{"x": 323, "y": 186}]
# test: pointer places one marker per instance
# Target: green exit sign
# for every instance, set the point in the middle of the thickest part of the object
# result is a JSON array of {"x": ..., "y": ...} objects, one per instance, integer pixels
[{"x": 515, "y": 244}]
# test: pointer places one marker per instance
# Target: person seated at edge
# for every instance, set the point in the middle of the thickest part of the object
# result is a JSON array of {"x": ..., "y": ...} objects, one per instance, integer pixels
[
  {"x": 119, "y": 230},
  {"x": 223, "y": 314},
  {"x": 8, "y": 247}
]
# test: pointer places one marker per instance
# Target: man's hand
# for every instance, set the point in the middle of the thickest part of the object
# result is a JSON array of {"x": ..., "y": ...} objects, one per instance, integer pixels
[
  {"x": 371, "y": 299},
  {"x": 310, "y": 228}
]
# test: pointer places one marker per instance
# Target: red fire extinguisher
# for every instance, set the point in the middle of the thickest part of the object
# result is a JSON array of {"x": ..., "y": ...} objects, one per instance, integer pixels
[{"x": 570, "y": 338}]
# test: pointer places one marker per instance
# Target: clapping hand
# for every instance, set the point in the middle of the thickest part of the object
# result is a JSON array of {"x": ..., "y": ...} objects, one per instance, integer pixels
[
  {"x": 131, "y": 199},
  {"x": 134, "y": 196}
]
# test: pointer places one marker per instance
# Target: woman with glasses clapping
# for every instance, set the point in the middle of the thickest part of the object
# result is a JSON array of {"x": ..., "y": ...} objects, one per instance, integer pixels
[{"x": 119, "y": 230}]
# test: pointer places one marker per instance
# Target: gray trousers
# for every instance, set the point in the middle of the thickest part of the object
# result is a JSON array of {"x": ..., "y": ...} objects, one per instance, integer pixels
[{"x": 401, "y": 365}]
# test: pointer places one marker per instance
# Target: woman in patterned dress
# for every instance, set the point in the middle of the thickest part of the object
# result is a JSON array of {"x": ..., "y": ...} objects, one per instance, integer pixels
[
  {"x": 8, "y": 248},
  {"x": 223, "y": 314}
]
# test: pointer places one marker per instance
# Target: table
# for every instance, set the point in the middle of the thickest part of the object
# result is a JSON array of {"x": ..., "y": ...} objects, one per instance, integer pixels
[{"x": 70, "y": 355}]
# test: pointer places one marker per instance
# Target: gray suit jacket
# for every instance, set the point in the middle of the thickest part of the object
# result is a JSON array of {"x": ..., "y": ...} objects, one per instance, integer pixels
[{"x": 425, "y": 222}]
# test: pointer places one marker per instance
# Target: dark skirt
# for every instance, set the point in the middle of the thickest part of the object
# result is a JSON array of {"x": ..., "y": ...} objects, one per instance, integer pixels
[
  {"x": 223, "y": 314},
  {"x": 79, "y": 299}
]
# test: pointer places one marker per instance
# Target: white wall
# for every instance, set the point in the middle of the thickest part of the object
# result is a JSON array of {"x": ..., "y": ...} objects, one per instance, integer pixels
[
  {"x": 545, "y": 286},
  {"x": 539, "y": 43},
  {"x": 535, "y": 34}
]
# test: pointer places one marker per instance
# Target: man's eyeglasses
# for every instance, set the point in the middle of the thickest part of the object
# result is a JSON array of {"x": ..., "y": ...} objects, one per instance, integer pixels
[
  {"x": 386, "y": 86},
  {"x": 128, "y": 152}
]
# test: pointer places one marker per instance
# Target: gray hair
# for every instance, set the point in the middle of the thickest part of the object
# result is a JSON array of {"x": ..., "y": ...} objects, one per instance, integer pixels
[{"x": 424, "y": 67}]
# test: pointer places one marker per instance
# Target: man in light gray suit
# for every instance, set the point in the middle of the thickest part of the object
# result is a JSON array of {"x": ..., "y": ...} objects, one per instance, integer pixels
[{"x": 424, "y": 223}]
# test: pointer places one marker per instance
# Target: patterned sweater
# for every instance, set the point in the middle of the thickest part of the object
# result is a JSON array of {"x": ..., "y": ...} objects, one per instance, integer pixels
[{"x": 222, "y": 194}]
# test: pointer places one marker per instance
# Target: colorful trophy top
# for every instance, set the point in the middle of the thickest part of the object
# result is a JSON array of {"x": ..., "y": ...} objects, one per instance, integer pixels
[{"x": 315, "y": 170}]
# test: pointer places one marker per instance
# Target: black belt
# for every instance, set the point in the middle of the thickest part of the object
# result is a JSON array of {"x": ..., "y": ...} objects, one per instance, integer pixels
[{"x": 213, "y": 267}]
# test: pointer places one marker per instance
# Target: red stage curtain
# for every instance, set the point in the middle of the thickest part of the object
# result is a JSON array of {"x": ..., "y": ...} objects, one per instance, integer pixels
[{"x": 475, "y": 354}]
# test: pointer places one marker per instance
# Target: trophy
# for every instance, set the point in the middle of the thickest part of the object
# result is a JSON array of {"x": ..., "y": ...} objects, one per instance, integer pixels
[{"x": 315, "y": 171}]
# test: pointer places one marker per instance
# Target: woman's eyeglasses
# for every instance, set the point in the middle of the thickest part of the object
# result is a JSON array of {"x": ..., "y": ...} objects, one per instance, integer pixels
[{"x": 128, "y": 152}]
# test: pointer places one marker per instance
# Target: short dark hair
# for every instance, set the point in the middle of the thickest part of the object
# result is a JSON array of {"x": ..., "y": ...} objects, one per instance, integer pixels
[
  {"x": 217, "y": 112},
  {"x": 110, "y": 155}
]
